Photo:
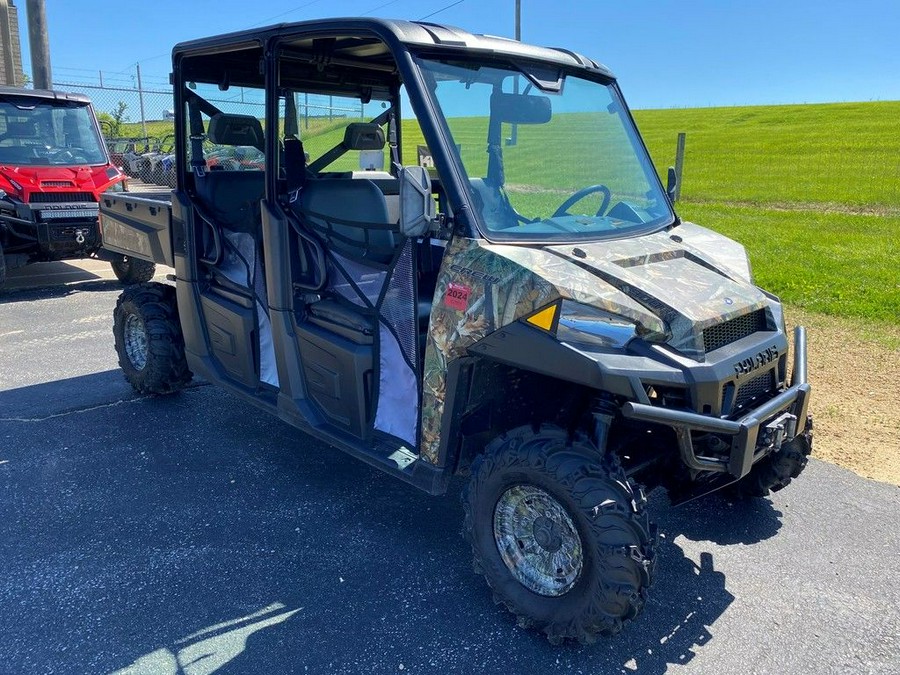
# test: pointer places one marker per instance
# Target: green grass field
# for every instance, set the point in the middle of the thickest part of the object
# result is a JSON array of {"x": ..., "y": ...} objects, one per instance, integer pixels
[{"x": 812, "y": 191}]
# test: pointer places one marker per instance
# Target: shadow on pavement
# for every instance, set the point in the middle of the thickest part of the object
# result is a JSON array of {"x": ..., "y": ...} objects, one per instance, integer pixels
[
  {"x": 74, "y": 394},
  {"x": 152, "y": 521},
  {"x": 747, "y": 521},
  {"x": 50, "y": 273},
  {"x": 55, "y": 289}
]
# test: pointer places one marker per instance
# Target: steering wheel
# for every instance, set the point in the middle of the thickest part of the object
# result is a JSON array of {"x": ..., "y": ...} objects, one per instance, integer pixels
[
  {"x": 581, "y": 194},
  {"x": 71, "y": 154}
]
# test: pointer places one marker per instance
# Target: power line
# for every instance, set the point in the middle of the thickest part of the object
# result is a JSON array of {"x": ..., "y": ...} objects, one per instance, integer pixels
[
  {"x": 290, "y": 11},
  {"x": 375, "y": 9},
  {"x": 442, "y": 9}
]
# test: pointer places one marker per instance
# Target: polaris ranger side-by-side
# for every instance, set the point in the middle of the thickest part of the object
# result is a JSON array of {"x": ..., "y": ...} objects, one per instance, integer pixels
[
  {"x": 528, "y": 311},
  {"x": 53, "y": 168}
]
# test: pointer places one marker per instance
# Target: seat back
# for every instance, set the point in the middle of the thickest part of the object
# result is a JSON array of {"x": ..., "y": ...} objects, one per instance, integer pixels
[
  {"x": 229, "y": 129},
  {"x": 232, "y": 198},
  {"x": 351, "y": 216}
]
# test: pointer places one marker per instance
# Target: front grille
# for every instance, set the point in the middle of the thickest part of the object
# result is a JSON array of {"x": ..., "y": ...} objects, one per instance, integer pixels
[
  {"x": 754, "y": 391},
  {"x": 733, "y": 330},
  {"x": 60, "y": 197}
]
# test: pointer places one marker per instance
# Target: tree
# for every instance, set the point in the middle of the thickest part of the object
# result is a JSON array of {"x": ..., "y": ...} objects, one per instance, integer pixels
[{"x": 112, "y": 121}]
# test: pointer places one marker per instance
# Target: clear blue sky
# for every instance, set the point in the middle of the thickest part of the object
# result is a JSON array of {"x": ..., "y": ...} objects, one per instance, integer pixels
[{"x": 665, "y": 53}]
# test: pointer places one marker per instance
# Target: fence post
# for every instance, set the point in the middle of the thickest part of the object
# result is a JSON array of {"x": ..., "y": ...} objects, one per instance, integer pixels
[
  {"x": 306, "y": 111},
  {"x": 679, "y": 164},
  {"x": 141, "y": 99}
]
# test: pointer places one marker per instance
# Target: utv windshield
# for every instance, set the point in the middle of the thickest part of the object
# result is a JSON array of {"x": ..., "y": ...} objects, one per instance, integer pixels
[
  {"x": 38, "y": 133},
  {"x": 548, "y": 156}
]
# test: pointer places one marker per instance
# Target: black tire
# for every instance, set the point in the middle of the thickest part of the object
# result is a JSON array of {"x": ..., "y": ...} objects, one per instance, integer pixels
[
  {"x": 776, "y": 471},
  {"x": 130, "y": 270},
  {"x": 617, "y": 542},
  {"x": 149, "y": 340},
  {"x": 2, "y": 268},
  {"x": 144, "y": 172}
]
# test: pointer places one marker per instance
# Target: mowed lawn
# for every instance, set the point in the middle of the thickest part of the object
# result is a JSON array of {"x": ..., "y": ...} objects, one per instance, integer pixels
[{"x": 812, "y": 191}]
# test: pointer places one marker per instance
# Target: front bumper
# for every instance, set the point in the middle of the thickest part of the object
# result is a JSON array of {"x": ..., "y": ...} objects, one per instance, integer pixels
[
  {"x": 60, "y": 230},
  {"x": 758, "y": 433}
]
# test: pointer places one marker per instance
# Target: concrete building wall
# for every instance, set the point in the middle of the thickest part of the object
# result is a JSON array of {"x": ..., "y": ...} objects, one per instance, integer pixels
[{"x": 10, "y": 47}]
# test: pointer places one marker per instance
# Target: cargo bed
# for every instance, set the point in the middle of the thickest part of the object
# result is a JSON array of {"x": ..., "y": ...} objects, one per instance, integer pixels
[{"x": 138, "y": 225}]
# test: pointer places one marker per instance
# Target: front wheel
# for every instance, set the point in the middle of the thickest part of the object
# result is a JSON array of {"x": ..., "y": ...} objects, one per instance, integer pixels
[
  {"x": 149, "y": 340},
  {"x": 775, "y": 471},
  {"x": 560, "y": 534},
  {"x": 130, "y": 270}
]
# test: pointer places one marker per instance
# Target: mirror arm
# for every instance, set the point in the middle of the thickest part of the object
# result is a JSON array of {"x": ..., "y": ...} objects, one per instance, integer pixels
[{"x": 671, "y": 184}]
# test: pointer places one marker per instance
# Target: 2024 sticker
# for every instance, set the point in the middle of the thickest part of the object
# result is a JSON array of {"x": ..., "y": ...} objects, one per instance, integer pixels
[{"x": 457, "y": 297}]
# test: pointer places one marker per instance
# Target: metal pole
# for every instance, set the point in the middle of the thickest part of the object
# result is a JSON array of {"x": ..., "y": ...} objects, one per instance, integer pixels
[
  {"x": 40, "y": 45},
  {"x": 679, "y": 165},
  {"x": 306, "y": 111},
  {"x": 101, "y": 78},
  {"x": 141, "y": 99},
  {"x": 9, "y": 63},
  {"x": 518, "y": 19},
  {"x": 514, "y": 132}
]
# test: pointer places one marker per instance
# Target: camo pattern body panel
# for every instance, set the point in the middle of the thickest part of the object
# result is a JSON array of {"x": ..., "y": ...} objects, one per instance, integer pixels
[{"x": 679, "y": 286}]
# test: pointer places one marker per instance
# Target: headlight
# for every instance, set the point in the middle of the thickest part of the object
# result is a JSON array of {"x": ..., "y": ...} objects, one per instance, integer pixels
[
  {"x": 590, "y": 327},
  {"x": 581, "y": 324}
]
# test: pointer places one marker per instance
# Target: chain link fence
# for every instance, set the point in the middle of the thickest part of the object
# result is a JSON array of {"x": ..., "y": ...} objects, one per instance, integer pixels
[
  {"x": 139, "y": 121},
  {"x": 148, "y": 112}
]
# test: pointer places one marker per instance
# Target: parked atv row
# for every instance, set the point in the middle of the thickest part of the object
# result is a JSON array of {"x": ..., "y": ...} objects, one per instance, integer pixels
[{"x": 153, "y": 160}]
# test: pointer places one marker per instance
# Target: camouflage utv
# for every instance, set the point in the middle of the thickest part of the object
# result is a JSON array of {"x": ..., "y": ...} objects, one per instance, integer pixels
[{"x": 528, "y": 311}]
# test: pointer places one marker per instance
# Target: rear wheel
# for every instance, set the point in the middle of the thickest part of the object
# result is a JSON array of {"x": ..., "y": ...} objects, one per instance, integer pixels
[
  {"x": 149, "y": 340},
  {"x": 2, "y": 266},
  {"x": 559, "y": 533},
  {"x": 130, "y": 270}
]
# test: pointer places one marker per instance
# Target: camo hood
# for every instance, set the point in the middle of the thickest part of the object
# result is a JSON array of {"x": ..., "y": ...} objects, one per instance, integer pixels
[{"x": 677, "y": 282}]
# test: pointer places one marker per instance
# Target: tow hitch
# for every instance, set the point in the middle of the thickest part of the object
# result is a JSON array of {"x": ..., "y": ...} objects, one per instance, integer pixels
[{"x": 79, "y": 236}]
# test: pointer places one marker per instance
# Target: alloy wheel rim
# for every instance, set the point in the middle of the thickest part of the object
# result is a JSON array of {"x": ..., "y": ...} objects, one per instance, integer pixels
[
  {"x": 136, "y": 341},
  {"x": 537, "y": 540}
]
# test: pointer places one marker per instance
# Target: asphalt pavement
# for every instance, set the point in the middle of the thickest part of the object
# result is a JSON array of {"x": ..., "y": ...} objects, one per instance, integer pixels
[{"x": 193, "y": 534}]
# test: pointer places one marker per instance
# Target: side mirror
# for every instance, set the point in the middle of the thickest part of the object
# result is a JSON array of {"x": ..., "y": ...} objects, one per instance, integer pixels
[
  {"x": 671, "y": 184},
  {"x": 417, "y": 208}
]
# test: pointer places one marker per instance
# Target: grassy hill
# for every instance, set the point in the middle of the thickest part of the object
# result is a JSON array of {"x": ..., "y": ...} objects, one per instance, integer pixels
[{"x": 813, "y": 191}]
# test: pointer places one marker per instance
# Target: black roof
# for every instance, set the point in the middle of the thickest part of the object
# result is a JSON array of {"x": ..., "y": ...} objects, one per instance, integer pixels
[
  {"x": 414, "y": 34},
  {"x": 47, "y": 94}
]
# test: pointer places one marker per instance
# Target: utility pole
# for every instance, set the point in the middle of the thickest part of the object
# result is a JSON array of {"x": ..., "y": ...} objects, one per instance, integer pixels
[
  {"x": 6, "y": 40},
  {"x": 519, "y": 20},
  {"x": 514, "y": 133},
  {"x": 40, "y": 45},
  {"x": 141, "y": 99}
]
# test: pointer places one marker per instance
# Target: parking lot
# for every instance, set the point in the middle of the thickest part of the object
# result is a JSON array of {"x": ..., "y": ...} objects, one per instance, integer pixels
[{"x": 190, "y": 533}]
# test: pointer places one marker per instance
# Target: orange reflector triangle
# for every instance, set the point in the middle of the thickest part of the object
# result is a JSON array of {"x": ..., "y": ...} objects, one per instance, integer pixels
[{"x": 544, "y": 318}]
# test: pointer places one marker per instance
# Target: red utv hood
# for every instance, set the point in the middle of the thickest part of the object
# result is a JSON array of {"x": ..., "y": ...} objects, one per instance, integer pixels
[{"x": 60, "y": 178}]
